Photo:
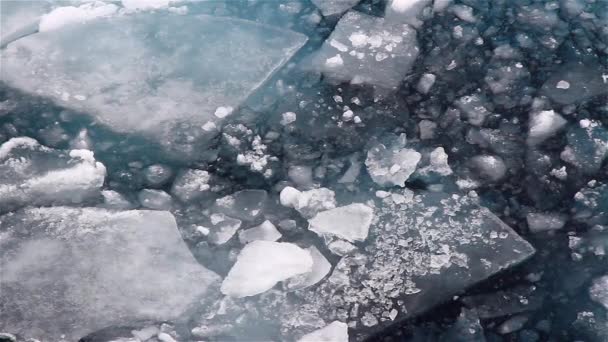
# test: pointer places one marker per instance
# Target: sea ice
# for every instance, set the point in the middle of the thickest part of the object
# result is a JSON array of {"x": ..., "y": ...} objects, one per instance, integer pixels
[
  {"x": 392, "y": 164},
  {"x": 543, "y": 125},
  {"x": 135, "y": 82},
  {"x": 332, "y": 7},
  {"x": 265, "y": 231},
  {"x": 32, "y": 174},
  {"x": 350, "y": 222},
  {"x": 335, "y": 331},
  {"x": 320, "y": 269},
  {"x": 244, "y": 205},
  {"x": 93, "y": 269},
  {"x": 366, "y": 49},
  {"x": 262, "y": 264}
]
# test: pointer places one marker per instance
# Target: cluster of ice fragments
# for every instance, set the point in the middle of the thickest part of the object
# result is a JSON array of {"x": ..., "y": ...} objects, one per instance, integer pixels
[{"x": 296, "y": 211}]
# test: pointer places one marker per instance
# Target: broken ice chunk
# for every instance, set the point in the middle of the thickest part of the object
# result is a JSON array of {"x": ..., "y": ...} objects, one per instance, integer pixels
[
  {"x": 425, "y": 83},
  {"x": 32, "y": 174},
  {"x": 379, "y": 53},
  {"x": 222, "y": 228},
  {"x": 350, "y": 222},
  {"x": 190, "y": 184},
  {"x": 405, "y": 11},
  {"x": 135, "y": 82},
  {"x": 308, "y": 203},
  {"x": 336, "y": 331},
  {"x": 543, "y": 125},
  {"x": 584, "y": 82},
  {"x": 66, "y": 15},
  {"x": 265, "y": 231},
  {"x": 332, "y": 7},
  {"x": 320, "y": 268},
  {"x": 262, "y": 264},
  {"x": 489, "y": 167},
  {"x": 154, "y": 199},
  {"x": 591, "y": 204},
  {"x": 599, "y": 291},
  {"x": 588, "y": 143},
  {"x": 389, "y": 165},
  {"x": 474, "y": 106},
  {"x": 75, "y": 271},
  {"x": 541, "y": 222},
  {"x": 244, "y": 205}
]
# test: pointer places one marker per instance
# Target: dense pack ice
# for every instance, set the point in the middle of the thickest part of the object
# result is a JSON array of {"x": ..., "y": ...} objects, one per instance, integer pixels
[
  {"x": 391, "y": 164},
  {"x": 33, "y": 174},
  {"x": 369, "y": 50},
  {"x": 94, "y": 268},
  {"x": 112, "y": 69}
]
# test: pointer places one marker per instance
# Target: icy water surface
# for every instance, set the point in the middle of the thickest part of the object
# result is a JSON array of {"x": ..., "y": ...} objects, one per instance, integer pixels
[{"x": 323, "y": 170}]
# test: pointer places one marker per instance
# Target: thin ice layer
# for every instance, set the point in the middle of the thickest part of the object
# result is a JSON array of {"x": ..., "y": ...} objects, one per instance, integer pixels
[
  {"x": 418, "y": 254},
  {"x": 150, "y": 73},
  {"x": 67, "y": 271},
  {"x": 32, "y": 174}
]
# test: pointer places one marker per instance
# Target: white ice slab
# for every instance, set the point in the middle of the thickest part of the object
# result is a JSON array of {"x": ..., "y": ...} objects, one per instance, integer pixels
[{"x": 67, "y": 271}]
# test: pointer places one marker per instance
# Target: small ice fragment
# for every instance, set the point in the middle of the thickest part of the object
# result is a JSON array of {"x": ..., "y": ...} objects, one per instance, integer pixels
[
  {"x": 543, "y": 125},
  {"x": 222, "y": 112},
  {"x": 223, "y": 229},
  {"x": 262, "y": 264},
  {"x": 350, "y": 222},
  {"x": 490, "y": 167},
  {"x": 336, "y": 331},
  {"x": 288, "y": 118},
  {"x": 265, "y": 231},
  {"x": 347, "y": 115},
  {"x": 540, "y": 222},
  {"x": 320, "y": 268},
  {"x": 289, "y": 197},
  {"x": 562, "y": 85},
  {"x": 190, "y": 184},
  {"x": 301, "y": 175},
  {"x": 598, "y": 292},
  {"x": 334, "y": 62},
  {"x": 425, "y": 83}
]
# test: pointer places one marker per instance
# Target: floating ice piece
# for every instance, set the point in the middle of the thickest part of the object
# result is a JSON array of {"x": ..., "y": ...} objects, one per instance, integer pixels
[
  {"x": 191, "y": 184},
  {"x": 390, "y": 165},
  {"x": 490, "y": 167},
  {"x": 244, "y": 205},
  {"x": 505, "y": 303},
  {"x": 115, "y": 200},
  {"x": 350, "y": 222},
  {"x": 75, "y": 271},
  {"x": 332, "y": 7},
  {"x": 308, "y": 203},
  {"x": 154, "y": 84},
  {"x": 222, "y": 228},
  {"x": 265, "y": 231},
  {"x": 588, "y": 144},
  {"x": 541, "y": 222},
  {"x": 335, "y": 331},
  {"x": 154, "y": 199},
  {"x": 320, "y": 268},
  {"x": 591, "y": 204},
  {"x": 426, "y": 83},
  {"x": 32, "y": 174},
  {"x": 262, "y": 264},
  {"x": 584, "y": 82},
  {"x": 543, "y": 125},
  {"x": 377, "y": 52},
  {"x": 598, "y": 291},
  {"x": 157, "y": 175},
  {"x": 405, "y": 11}
]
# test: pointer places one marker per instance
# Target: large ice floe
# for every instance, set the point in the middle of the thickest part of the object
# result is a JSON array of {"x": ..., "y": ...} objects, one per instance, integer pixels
[
  {"x": 112, "y": 68},
  {"x": 67, "y": 272}
]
